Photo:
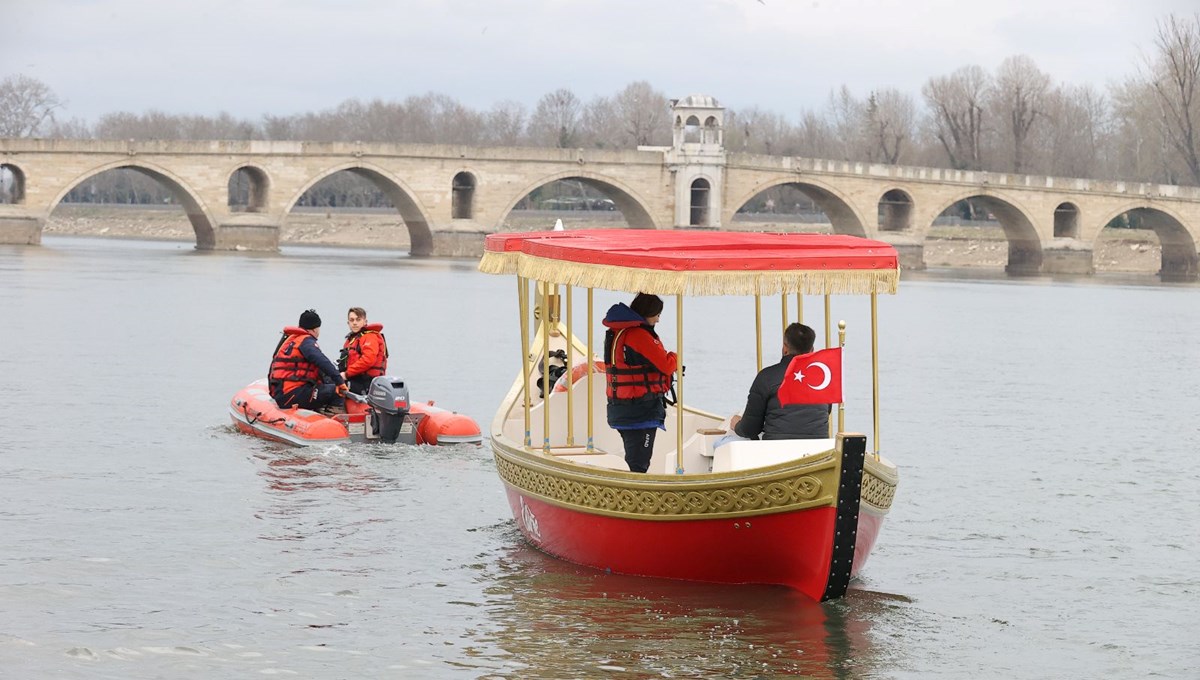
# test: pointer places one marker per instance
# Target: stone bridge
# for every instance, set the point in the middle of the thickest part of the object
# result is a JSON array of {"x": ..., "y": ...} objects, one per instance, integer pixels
[{"x": 1052, "y": 224}]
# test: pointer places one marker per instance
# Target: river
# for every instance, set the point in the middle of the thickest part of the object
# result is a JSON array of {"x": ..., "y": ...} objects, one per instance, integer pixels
[{"x": 1045, "y": 526}]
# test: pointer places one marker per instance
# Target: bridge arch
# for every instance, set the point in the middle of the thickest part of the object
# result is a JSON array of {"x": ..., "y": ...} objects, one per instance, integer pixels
[
  {"x": 12, "y": 184},
  {"x": 895, "y": 210},
  {"x": 1066, "y": 220},
  {"x": 1180, "y": 261},
  {"x": 628, "y": 201},
  {"x": 1024, "y": 244},
  {"x": 462, "y": 195},
  {"x": 842, "y": 213},
  {"x": 248, "y": 189},
  {"x": 197, "y": 212},
  {"x": 414, "y": 216}
]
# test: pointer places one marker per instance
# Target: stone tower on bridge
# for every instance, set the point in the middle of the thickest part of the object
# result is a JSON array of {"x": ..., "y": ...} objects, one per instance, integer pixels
[{"x": 696, "y": 159}]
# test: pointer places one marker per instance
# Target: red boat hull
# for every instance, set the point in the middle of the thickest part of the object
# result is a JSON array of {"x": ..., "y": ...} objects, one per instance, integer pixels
[{"x": 788, "y": 548}]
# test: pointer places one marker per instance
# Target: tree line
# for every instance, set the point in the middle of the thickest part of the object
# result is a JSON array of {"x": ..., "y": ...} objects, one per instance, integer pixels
[{"x": 1013, "y": 119}]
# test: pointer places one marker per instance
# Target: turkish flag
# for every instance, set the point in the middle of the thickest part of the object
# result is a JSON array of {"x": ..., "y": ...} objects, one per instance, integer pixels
[{"x": 814, "y": 378}]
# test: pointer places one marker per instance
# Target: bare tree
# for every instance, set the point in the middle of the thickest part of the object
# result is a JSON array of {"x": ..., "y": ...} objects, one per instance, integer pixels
[
  {"x": 956, "y": 102},
  {"x": 1018, "y": 97},
  {"x": 848, "y": 118},
  {"x": 891, "y": 116},
  {"x": 644, "y": 114},
  {"x": 1176, "y": 74},
  {"x": 25, "y": 105},
  {"x": 556, "y": 120},
  {"x": 599, "y": 126},
  {"x": 505, "y": 123},
  {"x": 1075, "y": 132}
]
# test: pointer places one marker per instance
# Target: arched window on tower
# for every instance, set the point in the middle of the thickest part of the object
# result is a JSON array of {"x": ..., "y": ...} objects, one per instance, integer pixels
[{"x": 700, "y": 198}]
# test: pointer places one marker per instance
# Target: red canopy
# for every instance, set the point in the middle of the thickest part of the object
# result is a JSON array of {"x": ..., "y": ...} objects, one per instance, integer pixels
[{"x": 697, "y": 262}]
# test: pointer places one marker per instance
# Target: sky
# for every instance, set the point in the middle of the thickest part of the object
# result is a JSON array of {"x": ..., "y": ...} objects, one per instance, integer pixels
[{"x": 280, "y": 57}]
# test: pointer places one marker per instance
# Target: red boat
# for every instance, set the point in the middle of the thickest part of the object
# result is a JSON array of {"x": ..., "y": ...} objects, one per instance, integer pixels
[
  {"x": 804, "y": 513},
  {"x": 384, "y": 415}
]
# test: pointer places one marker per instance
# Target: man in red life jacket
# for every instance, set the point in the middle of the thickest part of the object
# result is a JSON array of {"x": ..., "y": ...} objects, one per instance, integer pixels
[
  {"x": 298, "y": 366},
  {"x": 639, "y": 375},
  {"x": 364, "y": 354}
]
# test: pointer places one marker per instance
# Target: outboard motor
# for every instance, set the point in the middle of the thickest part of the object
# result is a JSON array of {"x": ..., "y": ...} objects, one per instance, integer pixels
[{"x": 388, "y": 398}]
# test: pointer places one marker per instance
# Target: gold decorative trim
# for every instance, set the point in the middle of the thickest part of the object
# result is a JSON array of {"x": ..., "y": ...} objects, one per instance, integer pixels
[
  {"x": 664, "y": 282},
  {"x": 876, "y": 492},
  {"x": 661, "y": 497},
  {"x": 499, "y": 263}
]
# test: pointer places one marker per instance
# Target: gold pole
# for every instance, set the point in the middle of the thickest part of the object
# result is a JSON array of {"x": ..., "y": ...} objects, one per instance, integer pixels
[
  {"x": 758, "y": 327},
  {"x": 828, "y": 325},
  {"x": 842, "y": 405},
  {"x": 799, "y": 308},
  {"x": 570, "y": 336},
  {"x": 590, "y": 367},
  {"x": 875, "y": 367},
  {"x": 523, "y": 310},
  {"x": 546, "y": 366},
  {"x": 783, "y": 299},
  {"x": 679, "y": 383}
]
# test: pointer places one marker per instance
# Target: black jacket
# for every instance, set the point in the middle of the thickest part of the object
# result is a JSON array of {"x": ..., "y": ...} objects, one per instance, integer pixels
[{"x": 764, "y": 414}]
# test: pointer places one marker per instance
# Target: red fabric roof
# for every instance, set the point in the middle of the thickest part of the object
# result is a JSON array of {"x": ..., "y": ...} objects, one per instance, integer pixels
[{"x": 679, "y": 250}]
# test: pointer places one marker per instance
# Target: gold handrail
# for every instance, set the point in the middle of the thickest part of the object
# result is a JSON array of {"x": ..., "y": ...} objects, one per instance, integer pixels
[
  {"x": 570, "y": 336},
  {"x": 679, "y": 382},
  {"x": 523, "y": 310}
]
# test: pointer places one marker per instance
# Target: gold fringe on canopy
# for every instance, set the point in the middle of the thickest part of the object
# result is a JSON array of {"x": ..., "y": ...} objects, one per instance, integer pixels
[
  {"x": 663, "y": 282},
  {"x": 499, "y": 263}
]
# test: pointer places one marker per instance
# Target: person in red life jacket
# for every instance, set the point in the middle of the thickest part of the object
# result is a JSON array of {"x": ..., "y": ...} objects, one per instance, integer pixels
[
  {"x": 765, "y": 415},
  {"x": 364, "y": 354},
  {"x": 639, "y": 376},
  {"x": 298, "y": 366}
]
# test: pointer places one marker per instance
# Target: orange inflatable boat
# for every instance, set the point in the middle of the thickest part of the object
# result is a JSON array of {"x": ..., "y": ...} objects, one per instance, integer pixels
[{"x": 384, "y": 415}]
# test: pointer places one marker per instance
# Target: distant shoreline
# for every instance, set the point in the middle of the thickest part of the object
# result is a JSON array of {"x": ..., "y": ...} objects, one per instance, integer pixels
[{"x": 963, "y": 247}]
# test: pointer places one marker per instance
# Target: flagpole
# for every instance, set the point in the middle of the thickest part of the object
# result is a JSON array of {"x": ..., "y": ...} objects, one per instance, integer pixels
[
  {"x": 875, "y": 367},
  {"x": 842, "y": 404},
  {"x": 590, "y": 367},
  {"x": 758, "y": 327},
  {"x": 679, "y": 381},
  {"x": 523, "y": 312},
  {"x": 799, "y": 308},
  {"x": 570, "y": 337}
]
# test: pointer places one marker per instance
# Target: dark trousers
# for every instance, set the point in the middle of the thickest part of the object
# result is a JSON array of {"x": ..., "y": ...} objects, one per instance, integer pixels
[
  {"x": 359, "y": 384},
  {"x": 639, "y": 446},
  {"x": 311, "y": 397}
]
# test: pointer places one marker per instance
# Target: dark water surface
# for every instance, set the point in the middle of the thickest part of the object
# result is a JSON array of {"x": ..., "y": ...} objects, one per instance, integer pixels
[{"x": 1046, "y": 523}]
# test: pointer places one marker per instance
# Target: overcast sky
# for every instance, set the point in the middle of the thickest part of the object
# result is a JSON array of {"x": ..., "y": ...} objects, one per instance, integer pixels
[{"x": 250, "y": 57}]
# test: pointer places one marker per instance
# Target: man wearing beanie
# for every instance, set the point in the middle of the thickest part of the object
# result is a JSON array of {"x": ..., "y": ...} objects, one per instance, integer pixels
[
  {"x": 298, "y": 366},
  {"x": 639, "y": 372}
]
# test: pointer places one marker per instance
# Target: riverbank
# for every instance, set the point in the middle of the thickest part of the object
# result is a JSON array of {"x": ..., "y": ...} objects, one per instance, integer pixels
[{"x": 984, "y": 247}]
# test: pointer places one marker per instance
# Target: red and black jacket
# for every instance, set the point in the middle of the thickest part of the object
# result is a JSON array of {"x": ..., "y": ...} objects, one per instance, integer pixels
[{"x": 365, "y": 352}]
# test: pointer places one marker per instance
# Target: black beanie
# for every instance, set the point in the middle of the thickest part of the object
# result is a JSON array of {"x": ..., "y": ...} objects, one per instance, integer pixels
[
  {"x": 646, "y": 305},
  {"x": 309, "y": 320}
]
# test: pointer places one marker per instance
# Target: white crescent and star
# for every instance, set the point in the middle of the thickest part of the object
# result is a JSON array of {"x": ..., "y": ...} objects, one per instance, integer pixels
[{"x": 799, "y": 376}]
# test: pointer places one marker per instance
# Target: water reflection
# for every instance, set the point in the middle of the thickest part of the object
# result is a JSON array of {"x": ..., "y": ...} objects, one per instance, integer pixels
[{"x": 558, "y": 620}]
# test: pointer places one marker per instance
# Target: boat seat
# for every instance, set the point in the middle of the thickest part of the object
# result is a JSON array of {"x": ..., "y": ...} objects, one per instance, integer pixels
[{"x": 742, "y": 455}]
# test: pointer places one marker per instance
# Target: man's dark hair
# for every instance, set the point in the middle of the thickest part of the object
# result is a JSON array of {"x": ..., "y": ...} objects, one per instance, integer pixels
[
  {"x": 799, "y": 338},
  {"x": 646, "y": 305}
]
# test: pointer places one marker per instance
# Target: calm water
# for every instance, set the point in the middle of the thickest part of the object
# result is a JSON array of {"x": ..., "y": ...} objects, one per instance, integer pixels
[{"x": 1046, "y": 524}]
